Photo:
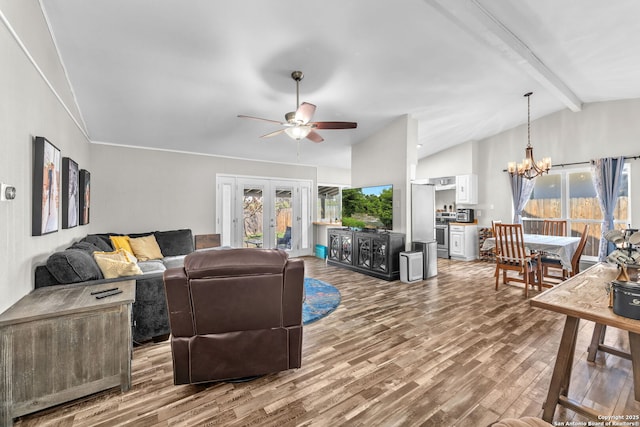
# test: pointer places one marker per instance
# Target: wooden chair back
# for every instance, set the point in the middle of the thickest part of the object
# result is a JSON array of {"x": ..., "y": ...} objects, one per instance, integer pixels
[
  {"x": 554, "y": 262},
  {"x": 575, "y": 261},
  {"x": 510, "y": 243},
  {"x": 493, "y": 233},
  {"x": 511, "y": 255},
  {"x": 554, "y": 227},
  {"x": 493, "y": 225}
]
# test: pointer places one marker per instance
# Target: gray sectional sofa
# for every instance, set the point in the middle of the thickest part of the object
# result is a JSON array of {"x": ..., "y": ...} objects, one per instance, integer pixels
[{"x": 76, "y": 265}]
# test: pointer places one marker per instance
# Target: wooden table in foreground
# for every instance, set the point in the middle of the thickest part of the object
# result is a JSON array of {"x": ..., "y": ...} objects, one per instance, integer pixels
[
  {"x": 584, "y": 297},
  {"x": 60, "y": 343}
]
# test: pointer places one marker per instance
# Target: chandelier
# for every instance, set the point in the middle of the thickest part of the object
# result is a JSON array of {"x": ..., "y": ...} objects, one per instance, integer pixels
[{"x": 529, "y": 168}]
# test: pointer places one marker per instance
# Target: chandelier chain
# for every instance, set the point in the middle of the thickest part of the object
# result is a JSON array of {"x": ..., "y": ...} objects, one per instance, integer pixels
[{"x": 528, "y": 119}]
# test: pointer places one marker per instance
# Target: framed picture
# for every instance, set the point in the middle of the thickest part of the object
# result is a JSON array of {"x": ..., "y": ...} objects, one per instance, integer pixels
[
  {"x": 46, "y": 187},
  {"x": 70, "y": 193},
  {"x": 85, "y": 196}
]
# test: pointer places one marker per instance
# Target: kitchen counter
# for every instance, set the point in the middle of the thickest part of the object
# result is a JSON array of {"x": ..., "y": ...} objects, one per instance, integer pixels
[{"x": 321, "y": 231}]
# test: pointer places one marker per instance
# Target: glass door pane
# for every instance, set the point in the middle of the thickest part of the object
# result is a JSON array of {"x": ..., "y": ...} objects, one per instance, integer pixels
[
  {"x": 227, "y": 214},
  {"x": 306, "y": 220},
  {"x": 252, "y": 216},
  {"x": 283, "y": 215},
  {"x": 226, "y": 211}
]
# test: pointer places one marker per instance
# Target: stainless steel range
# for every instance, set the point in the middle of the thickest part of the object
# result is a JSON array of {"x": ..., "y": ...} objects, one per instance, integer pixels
[{"x": 442, "y": 232}]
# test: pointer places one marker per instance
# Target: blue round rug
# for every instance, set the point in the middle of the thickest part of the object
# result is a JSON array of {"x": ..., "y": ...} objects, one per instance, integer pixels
[{"x": 320, "y": 299}]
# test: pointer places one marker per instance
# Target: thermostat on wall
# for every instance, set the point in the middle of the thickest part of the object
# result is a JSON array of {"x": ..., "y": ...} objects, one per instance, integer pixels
[{"x": 7, "y": 192}]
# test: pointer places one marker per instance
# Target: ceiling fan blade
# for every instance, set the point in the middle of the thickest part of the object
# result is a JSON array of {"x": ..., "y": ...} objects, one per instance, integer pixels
[
  {"x": 334, "y": 125},
  {"x": 274, "y": 133},
  {"x": 315, "y": 136},
  {"x": 304, "y": 113},
  {"x": 242, "y": 116}
]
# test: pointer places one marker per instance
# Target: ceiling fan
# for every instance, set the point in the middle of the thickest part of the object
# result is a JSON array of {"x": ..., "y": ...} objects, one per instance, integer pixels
[{"x": 298, "y": 124}]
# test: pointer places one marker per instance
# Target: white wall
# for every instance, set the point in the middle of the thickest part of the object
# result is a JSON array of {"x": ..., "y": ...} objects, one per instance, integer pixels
[
  {"x": 602, "y": 129},
  {"x": 139, "y": 190},
  {"x": 457, "y": 160},
  {"x": 386, "y": 158},
  {"x": 29, "y": 108},
  {"x": 336, "y": 176}
]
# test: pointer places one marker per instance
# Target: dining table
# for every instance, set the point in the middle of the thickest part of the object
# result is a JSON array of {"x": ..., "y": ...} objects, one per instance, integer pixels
[
  {"x": 561, "y": 246},
  {"x": 584, "y": 297}
]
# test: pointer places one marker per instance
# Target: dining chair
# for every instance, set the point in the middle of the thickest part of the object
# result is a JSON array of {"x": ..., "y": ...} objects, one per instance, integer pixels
[
  {"x": 511, "y": 255},
  {"x": 554, "y": 262},
  {"x": 554, "y": 227},
  {"x": 493, "y": 231}
]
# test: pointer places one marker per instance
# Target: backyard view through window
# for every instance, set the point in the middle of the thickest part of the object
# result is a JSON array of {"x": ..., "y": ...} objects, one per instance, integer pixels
[
  {"x": 571, "y": 195},
  {"x": 329, "y": 200}
]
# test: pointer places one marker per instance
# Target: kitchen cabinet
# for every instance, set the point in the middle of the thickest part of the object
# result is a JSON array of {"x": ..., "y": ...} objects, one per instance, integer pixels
[
  {"x": 467, "y": 189},
  {"x": 375, "y": 254},
  {"x": 463, "y": 241}
]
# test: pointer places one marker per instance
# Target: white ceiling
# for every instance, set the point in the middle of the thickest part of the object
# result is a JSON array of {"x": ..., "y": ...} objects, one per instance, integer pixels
[{"x": 174, "y": 74}]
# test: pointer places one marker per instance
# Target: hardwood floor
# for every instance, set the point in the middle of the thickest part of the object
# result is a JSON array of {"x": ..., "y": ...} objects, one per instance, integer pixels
[{"x": 448, "y": 351}]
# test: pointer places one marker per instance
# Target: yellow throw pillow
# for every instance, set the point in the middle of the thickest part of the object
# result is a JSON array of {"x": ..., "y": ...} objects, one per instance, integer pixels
[
  {"x": 146, "y": 248},
  {"x": 116, "y": 264},
  {"x": 119, "y": 242}
]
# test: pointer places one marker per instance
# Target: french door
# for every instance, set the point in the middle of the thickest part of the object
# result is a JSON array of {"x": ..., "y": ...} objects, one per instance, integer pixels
[{"x": 264, "y": 213}]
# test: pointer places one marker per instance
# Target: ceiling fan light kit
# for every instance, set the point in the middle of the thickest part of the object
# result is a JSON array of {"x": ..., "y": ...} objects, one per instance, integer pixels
[
  {"x": 298, "y": 124},
  {"x": 298, "y": 132}
]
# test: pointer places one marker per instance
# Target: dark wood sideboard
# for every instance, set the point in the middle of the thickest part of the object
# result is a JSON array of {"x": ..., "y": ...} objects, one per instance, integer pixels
[{"x": 374, "y": 253}]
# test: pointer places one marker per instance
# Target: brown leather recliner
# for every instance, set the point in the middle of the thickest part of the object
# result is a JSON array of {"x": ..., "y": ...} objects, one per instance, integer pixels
[{"x": 235, "y": 313}]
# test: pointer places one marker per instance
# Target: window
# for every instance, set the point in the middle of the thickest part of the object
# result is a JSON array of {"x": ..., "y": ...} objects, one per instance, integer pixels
[
  {"x": 569, "y": 194},
  {"x": 329, "y": 202}
]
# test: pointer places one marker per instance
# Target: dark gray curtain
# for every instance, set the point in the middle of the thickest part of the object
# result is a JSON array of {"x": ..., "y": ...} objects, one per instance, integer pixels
[
  {"x": 521, "y": 189},
  {"x": 607, "y": 174}
]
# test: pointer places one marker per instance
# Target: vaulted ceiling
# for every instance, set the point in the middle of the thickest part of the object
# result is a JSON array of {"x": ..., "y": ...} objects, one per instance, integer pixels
[{"x": 174, "y": 74}]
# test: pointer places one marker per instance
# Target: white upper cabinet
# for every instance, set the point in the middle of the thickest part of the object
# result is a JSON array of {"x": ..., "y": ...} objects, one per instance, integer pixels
[{"x": 467, "y": 189}]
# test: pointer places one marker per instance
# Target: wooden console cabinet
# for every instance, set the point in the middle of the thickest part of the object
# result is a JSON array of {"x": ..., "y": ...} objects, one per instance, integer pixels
[
  {"x": 375, "y": 254},
  {"x": 60, "y": 343}
]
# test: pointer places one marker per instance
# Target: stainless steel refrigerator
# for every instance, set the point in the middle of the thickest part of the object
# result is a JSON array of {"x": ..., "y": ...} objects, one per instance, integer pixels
[{"x": 423, "y": 222}]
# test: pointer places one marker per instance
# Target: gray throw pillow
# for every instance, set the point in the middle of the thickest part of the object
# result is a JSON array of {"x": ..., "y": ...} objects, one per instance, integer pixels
[
  {"x": 89, "y": 248},
  {"x": 175, "y": 242},
  {"x": 99, "y": 241},
  {"x": 136, "y": 235},
  {"x": 73, "y": 266}
]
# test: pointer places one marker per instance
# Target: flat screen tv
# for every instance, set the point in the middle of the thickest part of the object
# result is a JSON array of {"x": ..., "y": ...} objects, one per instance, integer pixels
[{"x": 368, "y": 207}]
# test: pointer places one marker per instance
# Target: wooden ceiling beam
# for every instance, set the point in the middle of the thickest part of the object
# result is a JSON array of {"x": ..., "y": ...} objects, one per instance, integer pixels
[{"x": 472, "y": 17}]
